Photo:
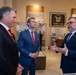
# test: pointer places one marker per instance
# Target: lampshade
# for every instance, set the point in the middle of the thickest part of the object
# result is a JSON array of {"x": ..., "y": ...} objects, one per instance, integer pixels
[{"x": 73, "y": 12}]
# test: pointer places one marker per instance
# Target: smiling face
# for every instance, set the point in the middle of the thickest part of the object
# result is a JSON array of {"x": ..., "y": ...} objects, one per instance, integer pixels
[
  {"x": 10, "y": 18},
  {"x": 71, "y": 24}
]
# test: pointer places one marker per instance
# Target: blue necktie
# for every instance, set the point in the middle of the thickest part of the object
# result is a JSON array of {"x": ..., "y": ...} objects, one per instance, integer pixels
[{"x": 69, "y": 36}]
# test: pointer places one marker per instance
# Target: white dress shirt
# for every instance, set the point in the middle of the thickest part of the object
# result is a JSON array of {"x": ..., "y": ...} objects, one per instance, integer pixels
[{"x": 5, "y": 26}]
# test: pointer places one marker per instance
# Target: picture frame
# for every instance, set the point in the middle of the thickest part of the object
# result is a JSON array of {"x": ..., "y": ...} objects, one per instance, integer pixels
[{"x": 57, "y": 19}]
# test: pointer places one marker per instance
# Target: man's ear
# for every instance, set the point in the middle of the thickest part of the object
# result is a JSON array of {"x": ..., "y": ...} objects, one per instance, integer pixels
[
  {"x": 28, "y": 24},
  {"x": 5, "y": 16}
]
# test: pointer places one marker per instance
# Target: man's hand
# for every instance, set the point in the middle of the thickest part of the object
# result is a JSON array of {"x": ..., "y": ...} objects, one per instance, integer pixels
[
  {"x": 37, "y": 53},
  {"x": 20, "y": 66},
  {"x": 54, "y": 47},
  {"x": 19, "y": 70},
  {"x": 58, "y": 49},
  {"x": 63, "y": 50},
  {"x": 34, "y": 55}
]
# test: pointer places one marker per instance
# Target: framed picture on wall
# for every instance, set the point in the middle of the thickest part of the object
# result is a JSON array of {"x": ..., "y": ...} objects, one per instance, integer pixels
[{"x": 57, "y": 19}]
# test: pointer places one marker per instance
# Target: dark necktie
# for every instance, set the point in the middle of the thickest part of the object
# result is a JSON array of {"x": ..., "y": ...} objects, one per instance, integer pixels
[
  {"x": 11, "y": 33},
  {"x": 69, "y": 36},
  {"x": 32, "y": 35}
]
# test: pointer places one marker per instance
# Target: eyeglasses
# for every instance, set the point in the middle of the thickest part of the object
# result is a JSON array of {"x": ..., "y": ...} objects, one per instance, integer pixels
[{"x": 70, "y": 23}]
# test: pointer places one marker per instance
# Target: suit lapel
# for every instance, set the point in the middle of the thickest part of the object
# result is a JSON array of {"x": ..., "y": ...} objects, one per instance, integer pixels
[
  {"x": 72, "y": 37},
  {"x": 5, "y": 33},
  {"x": 36, "y": 38},
  {"x": 28, "y": 35}
]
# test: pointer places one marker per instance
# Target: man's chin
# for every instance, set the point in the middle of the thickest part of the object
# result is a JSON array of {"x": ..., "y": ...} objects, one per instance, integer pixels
[{"x": 70, "y": 30}]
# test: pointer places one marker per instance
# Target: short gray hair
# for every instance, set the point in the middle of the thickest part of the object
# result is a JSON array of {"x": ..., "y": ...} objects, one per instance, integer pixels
[{"x": 4, "y": 10}]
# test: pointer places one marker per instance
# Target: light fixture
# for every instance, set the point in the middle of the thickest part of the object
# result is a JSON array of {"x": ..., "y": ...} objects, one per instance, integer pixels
[
  {"x": 73, "y": 12},
  {"x": 36, "y": 6}
]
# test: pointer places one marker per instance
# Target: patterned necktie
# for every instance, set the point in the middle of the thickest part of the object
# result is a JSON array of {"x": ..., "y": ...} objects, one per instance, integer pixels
[
  {"x": 11, "y": 33},
  {"x": 32, "y": 35}
]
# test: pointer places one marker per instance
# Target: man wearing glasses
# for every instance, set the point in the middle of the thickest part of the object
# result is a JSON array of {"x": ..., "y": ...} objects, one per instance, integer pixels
[{"x": 68, "y": 48}]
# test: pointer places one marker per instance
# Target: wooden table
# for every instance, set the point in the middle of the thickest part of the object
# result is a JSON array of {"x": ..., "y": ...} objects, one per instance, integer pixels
[{"x": 41, "y": 61}]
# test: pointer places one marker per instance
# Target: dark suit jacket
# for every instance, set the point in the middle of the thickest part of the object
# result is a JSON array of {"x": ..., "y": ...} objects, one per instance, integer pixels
[
  {"x": 26, "y": 47},
  {"x": 69, "y": 62},
  {"x": 8, "y": 53}
]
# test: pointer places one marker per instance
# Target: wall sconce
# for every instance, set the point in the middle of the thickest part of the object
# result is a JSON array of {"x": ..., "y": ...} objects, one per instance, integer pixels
[{"x": 73, "y": 12}]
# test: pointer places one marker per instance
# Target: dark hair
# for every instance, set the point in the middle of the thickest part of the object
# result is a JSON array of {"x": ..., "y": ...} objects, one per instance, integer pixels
[
  {"x": 4, "y": 10},
  {"x": 28, "y": 21}
]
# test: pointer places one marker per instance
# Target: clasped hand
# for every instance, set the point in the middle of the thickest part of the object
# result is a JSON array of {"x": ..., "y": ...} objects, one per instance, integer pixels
[{"x": 34, "y": 55}]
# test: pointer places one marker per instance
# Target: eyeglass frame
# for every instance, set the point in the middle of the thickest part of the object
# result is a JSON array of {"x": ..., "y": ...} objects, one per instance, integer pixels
[{"x": 70, "y": 23}]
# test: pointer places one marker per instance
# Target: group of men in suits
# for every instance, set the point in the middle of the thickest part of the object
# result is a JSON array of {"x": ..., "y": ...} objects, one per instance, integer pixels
[
  {"x": 10, "y": 63},
  {"x": 68, "y": 48},
  {"x": 29, "y": 46}
]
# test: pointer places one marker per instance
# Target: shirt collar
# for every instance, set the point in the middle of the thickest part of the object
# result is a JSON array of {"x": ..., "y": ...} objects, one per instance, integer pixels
[
  {"x": 4, "y": 26},
  {"x": 73, "y": 32},
  {"x": 30, "y": 30}
]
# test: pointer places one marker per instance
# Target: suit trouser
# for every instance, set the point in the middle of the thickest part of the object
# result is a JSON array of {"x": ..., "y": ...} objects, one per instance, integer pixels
[
  {"x": 69, "y": 70},
  {"x": 29, "y": 69}
]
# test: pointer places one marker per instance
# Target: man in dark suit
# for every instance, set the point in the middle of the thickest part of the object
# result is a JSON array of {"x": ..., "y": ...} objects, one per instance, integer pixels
[
  {"x": 8, "y": 50},
  {"x": 29, "y": 46},
  {"x": 68, "y": 48}
]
